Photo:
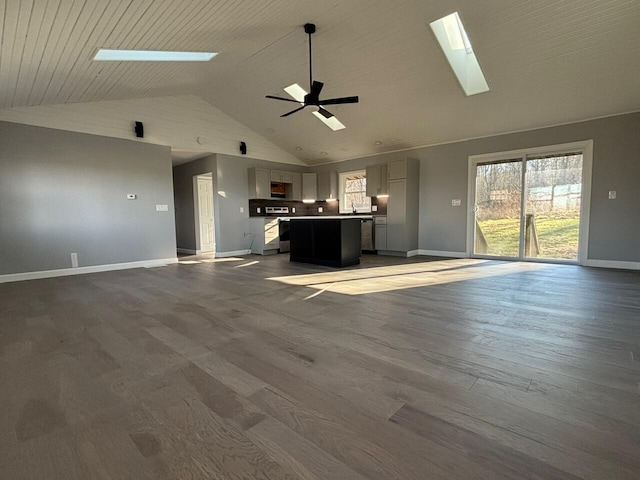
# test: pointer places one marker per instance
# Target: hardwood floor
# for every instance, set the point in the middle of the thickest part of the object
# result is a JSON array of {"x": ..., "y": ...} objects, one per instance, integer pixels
[{"x": 257, "y": 368}]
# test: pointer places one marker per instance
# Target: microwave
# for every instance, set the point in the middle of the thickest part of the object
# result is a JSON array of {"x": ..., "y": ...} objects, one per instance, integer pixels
[{"x": 278, "y": 190}]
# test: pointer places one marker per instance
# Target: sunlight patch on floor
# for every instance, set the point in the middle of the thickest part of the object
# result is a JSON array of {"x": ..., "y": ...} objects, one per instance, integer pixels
[
  {"x": 224, "y": 259},
  {"x": 247, "y": 264},
  {"x": 319, "y": 292},
  {"x": 398, "y": 277}
]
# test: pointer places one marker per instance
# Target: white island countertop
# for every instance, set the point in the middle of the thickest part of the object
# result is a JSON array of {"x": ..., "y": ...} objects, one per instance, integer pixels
[{"x": 327, "y": 217}]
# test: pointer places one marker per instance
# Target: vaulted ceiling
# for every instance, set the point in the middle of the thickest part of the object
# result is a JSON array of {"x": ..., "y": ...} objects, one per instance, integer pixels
[{"x": 547, "y": 62}]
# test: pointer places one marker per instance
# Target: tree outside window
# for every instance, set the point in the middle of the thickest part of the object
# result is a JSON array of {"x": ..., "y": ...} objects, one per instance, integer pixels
[{"x": 353, "y": 186}]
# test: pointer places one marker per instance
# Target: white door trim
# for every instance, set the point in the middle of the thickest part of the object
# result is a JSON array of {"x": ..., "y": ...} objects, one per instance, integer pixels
[{"x": 204, "y": 182}]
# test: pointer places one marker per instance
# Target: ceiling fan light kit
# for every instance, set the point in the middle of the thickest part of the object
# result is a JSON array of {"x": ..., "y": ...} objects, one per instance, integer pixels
[{"x": 312, "y": 99}]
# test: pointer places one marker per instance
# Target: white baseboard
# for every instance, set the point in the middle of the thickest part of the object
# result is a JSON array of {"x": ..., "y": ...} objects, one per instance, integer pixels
[
  {"x": 613, "y": 264},
  {"x": 391, "y": 253},
  {"x": 236, "y": 253},
  {"x": 440, "y": 253},
  {"x": 18, "y": 277},
  {"x": 394, "y": 253},
  {"x": 188, "y": 251}
]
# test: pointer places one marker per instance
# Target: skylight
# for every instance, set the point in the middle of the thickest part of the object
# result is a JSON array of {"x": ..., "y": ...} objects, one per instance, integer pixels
[
  {"x": 455, "y": 44},
  {"x": 298, "y": 93},
  {"x": 107, "y": 55}
]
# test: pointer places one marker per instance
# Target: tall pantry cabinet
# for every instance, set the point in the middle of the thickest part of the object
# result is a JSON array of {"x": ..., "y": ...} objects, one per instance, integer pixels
[{"x": 402, "y": 206}]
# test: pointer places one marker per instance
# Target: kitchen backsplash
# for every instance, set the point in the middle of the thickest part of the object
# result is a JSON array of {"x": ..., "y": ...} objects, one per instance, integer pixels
[{"x": 304, "y": 209}]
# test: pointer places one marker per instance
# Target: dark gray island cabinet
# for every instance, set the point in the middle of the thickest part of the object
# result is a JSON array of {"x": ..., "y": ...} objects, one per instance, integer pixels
[{"x": 334, "y": 242}]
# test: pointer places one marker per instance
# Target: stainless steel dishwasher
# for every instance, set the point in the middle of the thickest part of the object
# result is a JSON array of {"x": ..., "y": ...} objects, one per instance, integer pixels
[
  {"x": 366, "y": 231},
  {"x": 283, "y": 227}
]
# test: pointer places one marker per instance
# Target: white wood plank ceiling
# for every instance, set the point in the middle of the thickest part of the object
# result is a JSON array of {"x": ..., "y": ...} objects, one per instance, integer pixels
[{"x": 547, "y": 62}]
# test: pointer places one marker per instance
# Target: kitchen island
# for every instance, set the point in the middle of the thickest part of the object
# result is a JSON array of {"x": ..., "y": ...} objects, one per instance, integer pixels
[{"x": 330, "y": 241}]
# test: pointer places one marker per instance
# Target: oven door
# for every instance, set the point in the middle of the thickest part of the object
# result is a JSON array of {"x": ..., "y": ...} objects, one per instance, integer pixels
[{"x": 285, "y": 244}]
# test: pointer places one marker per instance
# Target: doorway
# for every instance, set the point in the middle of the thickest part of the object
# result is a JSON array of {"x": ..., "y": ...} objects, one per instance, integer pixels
[
  {"x": 531, "y": 205},
  {"x": 204, "y": 212}
]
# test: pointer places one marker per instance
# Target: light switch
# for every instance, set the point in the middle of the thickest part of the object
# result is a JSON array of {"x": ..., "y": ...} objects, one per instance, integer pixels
[
  {"x": 241, "y": 209},
  {"x": 162, "y": 208},
  {"x": 456, "y": 202},
  {"x": 612, "y": 194}
]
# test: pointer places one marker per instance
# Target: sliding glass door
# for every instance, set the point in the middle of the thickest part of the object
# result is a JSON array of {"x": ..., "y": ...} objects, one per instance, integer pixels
[
  {"x": 553, "y": 195},
  {"x": 528, "y": 206},
  {"x": 498, "y": 208}
]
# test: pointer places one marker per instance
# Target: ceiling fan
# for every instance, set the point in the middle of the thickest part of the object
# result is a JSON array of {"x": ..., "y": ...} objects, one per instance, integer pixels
[{"x": 312, "y": 99}]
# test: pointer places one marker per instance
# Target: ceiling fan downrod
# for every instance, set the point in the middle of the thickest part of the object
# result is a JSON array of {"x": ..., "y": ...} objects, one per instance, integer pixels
[{"x": 310, "y": 29}]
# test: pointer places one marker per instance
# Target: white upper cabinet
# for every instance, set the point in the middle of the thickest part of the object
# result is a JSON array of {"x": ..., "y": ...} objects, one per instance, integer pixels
[
  {"x": 282, "y": 177},
  {"x": 327, "y": 186},
  {"x": 398, "y": 169},
  {"x": 309, "y": 186},
  {"x": 377, "y": 180},
  {"x": 259, "y": 183},
  {"x": 296, "y": 187}
]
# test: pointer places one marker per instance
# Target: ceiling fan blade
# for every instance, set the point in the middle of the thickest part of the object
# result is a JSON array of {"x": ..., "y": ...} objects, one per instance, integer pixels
[
  {"x": 284, "y": 99},
  {"x": 293, "y": 111},
  {"x": 316, "y": 88},
  {"x": 338, "y": 101},
  {"x": 325, "y": 113}
]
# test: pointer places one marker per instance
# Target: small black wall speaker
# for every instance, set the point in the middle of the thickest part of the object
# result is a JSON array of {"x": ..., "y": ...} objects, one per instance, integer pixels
[
  {"x": 243, "y": 148},
  {"x": 139, "y": 129}
]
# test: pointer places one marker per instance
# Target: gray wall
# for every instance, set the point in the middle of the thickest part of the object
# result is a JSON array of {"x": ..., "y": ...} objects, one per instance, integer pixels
[
  {"x": 614, "y": 224},
  {"x": 63, "y": 192}
]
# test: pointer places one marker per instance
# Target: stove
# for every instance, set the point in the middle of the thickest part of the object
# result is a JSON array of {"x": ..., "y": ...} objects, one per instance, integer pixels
[{"x": 276, "y": 210}]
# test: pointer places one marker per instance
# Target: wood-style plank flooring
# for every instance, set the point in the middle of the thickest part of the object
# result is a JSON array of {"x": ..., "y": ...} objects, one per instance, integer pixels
[{"x": 256, "y": 368}]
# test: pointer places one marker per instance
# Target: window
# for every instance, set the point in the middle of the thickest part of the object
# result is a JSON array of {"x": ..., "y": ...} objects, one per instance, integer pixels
[{"x": 353, "y": 192}]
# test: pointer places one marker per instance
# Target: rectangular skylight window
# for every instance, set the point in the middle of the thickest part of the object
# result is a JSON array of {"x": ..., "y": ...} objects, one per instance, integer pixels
[
  {"x": 298, "y": 93},
  {"x": 106, "y": 55},
  {"x": 456, "y": 46}
]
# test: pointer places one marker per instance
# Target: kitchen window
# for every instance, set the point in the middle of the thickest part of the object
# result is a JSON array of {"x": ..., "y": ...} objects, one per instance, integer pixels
[{"x": 353, "y": 192}]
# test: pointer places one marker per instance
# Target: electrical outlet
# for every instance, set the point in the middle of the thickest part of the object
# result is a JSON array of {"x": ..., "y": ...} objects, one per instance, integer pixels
[
  {"x": 258, "y": 209},
  {"x": 74, "y": 260},
  {"x": 162, "y": 208},
  {"x": 293, "y": 209},
  {"x": 374, "y": 208},
  {"x": 131, "y": 196},
  {"x": 456, "y": 202},
  {"x": 612, "y": 194},
  {"x": 241, "y": 209},
  {"x": 319, "y": 209}
]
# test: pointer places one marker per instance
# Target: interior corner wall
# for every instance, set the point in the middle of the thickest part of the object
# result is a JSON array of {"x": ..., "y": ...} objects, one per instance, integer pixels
[
  {"x": 64, "y": 192},
  {"x": 184, "y": 196},
  {"x": 232, "y": 187}
]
